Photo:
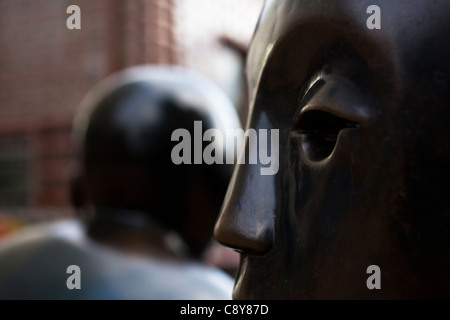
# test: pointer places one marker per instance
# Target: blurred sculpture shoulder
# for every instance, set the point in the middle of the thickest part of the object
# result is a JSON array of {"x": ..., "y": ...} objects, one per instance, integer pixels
[{"x": 34, "y": 265}]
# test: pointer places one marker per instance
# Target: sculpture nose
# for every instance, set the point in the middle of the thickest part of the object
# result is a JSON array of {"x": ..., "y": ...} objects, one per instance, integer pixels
[{"x": 246, "y": 222}]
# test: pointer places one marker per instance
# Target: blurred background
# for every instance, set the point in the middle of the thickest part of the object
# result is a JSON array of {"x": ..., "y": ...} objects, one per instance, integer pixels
[{"x": 46, "y": 69}]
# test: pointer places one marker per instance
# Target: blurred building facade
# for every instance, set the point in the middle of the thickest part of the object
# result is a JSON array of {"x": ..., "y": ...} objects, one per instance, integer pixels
[{"x": 47, "y": 68}]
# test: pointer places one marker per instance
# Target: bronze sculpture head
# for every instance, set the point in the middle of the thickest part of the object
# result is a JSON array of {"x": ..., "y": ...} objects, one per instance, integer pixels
[
  {"x": 364, "y": 167},
  {"x": 125, "y": 173}
]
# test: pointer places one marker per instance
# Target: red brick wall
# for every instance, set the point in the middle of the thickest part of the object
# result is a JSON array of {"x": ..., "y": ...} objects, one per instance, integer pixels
[{"x": 46, "y": 68}]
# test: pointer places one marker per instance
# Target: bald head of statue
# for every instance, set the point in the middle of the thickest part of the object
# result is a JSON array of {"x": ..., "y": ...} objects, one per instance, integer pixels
[
  {"x": 124, "y": 172},
  {"x": 364, "y": 167}
]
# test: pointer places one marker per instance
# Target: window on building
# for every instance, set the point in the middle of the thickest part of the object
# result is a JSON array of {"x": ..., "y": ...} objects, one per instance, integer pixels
[{"x": 13, "y": 173}]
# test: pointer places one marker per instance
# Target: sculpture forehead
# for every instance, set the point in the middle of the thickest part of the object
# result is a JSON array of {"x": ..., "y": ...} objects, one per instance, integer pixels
[{"x": 405, "y": 25}]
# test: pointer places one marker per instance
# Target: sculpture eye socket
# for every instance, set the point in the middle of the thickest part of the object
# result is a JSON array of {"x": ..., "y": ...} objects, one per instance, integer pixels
[{"x": 318, "y": 131}]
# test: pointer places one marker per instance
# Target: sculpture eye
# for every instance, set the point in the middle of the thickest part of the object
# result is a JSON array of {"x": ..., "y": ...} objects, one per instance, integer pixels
[{"x": 318, "y": 131}]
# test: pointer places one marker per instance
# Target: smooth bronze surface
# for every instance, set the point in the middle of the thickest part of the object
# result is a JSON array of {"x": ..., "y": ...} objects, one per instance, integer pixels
[{"x": 364, "y": 165}]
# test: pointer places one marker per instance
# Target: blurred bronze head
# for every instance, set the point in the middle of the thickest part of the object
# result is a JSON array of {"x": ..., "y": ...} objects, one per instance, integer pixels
[
  {"x": 123, "y": 137},
  {"x": 364, "y": 168}
]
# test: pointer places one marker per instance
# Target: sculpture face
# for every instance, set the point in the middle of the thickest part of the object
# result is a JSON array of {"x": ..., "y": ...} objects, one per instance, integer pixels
[{"x": 364, "y": 164}]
